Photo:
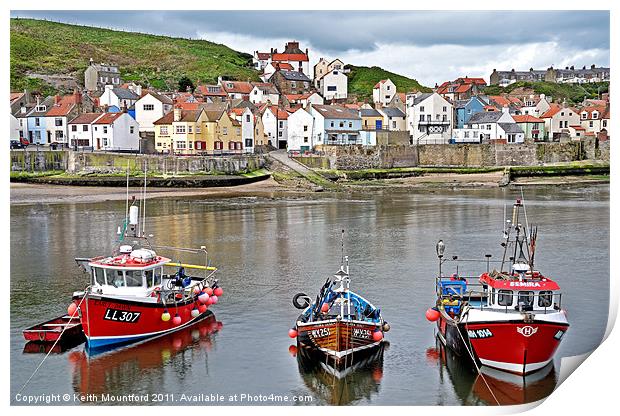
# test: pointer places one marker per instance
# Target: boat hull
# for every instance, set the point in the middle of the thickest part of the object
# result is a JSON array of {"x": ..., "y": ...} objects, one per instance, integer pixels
[
  {"x": 64, "y": 327},
  {"x": 338, "y": 343},
  {"x": 109, "y": 322},
  {"x": 516, "y": 346}
]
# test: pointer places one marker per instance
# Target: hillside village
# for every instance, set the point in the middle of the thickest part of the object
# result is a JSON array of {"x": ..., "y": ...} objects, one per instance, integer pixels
[{"x": 301, "y": 108}]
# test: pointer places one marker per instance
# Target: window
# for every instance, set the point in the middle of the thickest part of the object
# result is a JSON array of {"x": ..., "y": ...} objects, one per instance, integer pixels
[
  {"x": 85, "y": 127},
  {"x": 341, "y": 124},
  {"x": 247, "y": 118},
  {"x": 594, "y": 115},
  {"x": 37, "y": 121},
  {"x": 591, "y": 123},
  {"x": 59, "y": 134},
  {"x": 191, "y": 145},
  {"x": 293, "y": 84},
  {"x": 105, "y": 129},
  {"x": 445, "y": 109},
  {"x": 117, "y": 279},
  {"x": 279, "y": 134},
  {"x": 130, "y": 129},
  {"x": 331, "y": 88},
  {"x": 331, "y": 124},
  {"x": 466, "y": 134},
  {"x": 545, "y": 298},
  {"x": 604, "y": 123},
  {"x": 180, "y": 129},
  {"x": 74, "y": 128},
  {"x": 421, "y": 108},
  {"x": 148, "y": 107},
  {"x": 163, "y": 130},
  {"x": 248, "y": 142},
  {"x": 225, "y": 131},
  {"x": 421, "y": 117},
  {"x": 218, "y": 145},
  {"x": 105, "y": 142},
  {"x": 305, "y": 139},
  {"x": 58, "y": 122},
  {"x": 198, "y": 129},
  {"x": 387, "y": 87},
  {"x": 306, "y": 127},
  {"x": 445, "y": 117},
  {"x": 189, "y": 129},
  {"x": 504, "y": 297},
  {"x": 281, "y": 124},
  {"x": 150, "y": 278},
  {"x": 99, "y": 276},
  {"x": 393, "y": 124},
  {"x": 180, "y": 144},
  {"x": 526, "y": 298},
  {"x": 488, "y": 127},
  {"x": 133, "y": 278}
]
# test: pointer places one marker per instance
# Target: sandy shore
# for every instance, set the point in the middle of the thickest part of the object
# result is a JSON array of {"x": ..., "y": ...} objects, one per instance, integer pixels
[{"x": 24, "y": 193}]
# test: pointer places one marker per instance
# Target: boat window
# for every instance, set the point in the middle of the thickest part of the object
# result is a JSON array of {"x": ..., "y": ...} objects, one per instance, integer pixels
[
  {"x": 115, "y": 278},
  {"x": 133, "y": 278},
  {"x": 99, "y": 276},
  {"x": 158, "y": 273},
  {"x": 149, "y": 274},
  {"x": 526, "y": 298},
  {"x": 504, "y": 297},
  {"x": 545, "y": 298},
  {"x": 492, "y": 295}
]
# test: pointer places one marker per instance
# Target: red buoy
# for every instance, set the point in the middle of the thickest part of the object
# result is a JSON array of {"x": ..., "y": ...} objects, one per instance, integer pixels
[
  {"x": 293, "y": 350},
  {"x": 218, "y": 291},
  {"x": 325, "y": 308},
  {"x": 202, "y": 309},
  {"x": 176, "y": 320},
  {"x": 377, "y": 336},
  {"x": 208, "y": 291},
  {"x": 292, "y": 333},
  {"x": 432, "y": 314},
  {"x": 213, "y": 299},
  {"x": 72, "y": 309}
]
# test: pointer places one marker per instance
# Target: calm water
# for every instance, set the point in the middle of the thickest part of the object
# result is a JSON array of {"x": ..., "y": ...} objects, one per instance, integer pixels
[{"x": 267, "y": 250}]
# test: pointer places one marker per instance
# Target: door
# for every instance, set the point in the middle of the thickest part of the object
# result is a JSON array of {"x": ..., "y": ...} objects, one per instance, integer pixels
[
  {"x": 378, "y": 124},
  {"x": 98, "y": 143}
]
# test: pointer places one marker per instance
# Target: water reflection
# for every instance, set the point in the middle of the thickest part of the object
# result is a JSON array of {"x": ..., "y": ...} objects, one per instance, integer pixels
[
  {"x": 142, "y": 366},
  {"x": 492, "y": 387},
  {"x": 334, "y": 387}
]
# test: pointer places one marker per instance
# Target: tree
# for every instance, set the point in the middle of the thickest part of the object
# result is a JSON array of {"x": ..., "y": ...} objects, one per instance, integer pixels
[{"x": 186, "y": 85}]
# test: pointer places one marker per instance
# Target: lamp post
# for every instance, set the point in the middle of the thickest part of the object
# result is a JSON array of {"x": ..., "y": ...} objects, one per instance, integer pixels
[{"x": 440, "y": 248}]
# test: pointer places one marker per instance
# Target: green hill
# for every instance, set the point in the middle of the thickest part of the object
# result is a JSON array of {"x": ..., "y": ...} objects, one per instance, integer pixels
[
  {"x": 574, "y": 93},
  {"x": 362, "y": 79},
  {"x": 49, "y": 48}
]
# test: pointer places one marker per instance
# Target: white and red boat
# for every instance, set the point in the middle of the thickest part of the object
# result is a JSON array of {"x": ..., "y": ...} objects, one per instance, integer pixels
[
  {"x": 133, "y": 295},
  {"x": 509, "y": 320}
]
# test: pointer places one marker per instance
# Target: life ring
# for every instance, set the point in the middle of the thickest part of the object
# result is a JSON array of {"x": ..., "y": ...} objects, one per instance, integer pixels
[{"x": 304, "y": 298}]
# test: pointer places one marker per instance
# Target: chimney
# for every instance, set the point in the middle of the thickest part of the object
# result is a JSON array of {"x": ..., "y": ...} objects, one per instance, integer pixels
[
  {"x": 593, "y": 66},
  {"x": 22, "y": 109},
  {"x": 177, "y": 114},
  {"x": 531, "y": 69},
  {"x": 91, "y": 62},
  {"x": 109, "y": 87},
  {"x": 584, "y": 67},
  {"x": 306, "y": 51},
  {"x": 77, "y": 97},
  {"x": 572, "y": 67},
  {"x": 56, "y": 99},
  {"x": 505, "y": 109},
  {"x": 566, "y": 68}
]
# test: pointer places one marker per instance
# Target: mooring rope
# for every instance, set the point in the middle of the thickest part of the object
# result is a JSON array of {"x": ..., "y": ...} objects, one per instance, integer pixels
[
  {"x": 55, "y": 342},
  {"x": 475, "y": 364}
]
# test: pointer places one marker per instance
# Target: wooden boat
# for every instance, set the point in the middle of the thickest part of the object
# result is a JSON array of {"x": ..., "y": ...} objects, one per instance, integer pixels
[
  {"x": 508, "y": 320},
  {"x": 340, "y": 327},
  {"x": 51, "y": 331},
  {"x": 133, "y": 295}
]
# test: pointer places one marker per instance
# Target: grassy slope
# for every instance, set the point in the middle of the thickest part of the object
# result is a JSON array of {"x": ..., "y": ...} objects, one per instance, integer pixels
[
  {"x": 362, "y": 79},
  {"x": 44, "y": 47},
  {"x": 573, "y": 93}
]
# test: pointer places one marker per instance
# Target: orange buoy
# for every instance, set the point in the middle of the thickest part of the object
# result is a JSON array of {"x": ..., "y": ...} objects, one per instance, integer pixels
[{"x": 432, "y": 314}]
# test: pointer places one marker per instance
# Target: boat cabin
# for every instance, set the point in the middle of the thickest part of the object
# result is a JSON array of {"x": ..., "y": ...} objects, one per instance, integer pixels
[
  {"x": 131, "y": 273},
  {"x": 529, "y": 292}
]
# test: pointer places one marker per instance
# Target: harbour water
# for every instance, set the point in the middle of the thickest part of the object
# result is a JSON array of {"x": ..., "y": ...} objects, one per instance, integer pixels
[{"x": 270, "y": 248}]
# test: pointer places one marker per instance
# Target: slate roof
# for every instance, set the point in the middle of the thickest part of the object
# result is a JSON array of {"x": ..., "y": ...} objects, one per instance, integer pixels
[
  {"x": 294, "y": 76},
  {"x": 336, "y": 111},
  {"x": 164, "y": 99},
  {"x": 392, "y": 112},
  {"x": 108, "y": 118},
  {"x": 125, "y": 94},
  {"x": 186, "y": 115},
  {"x": 48, "y": 102},
  {"x": 266, "y": 87},
  {"x": 510, "y": 127},
  {"x": 369, "y": 112},
  {"x": 86, "y": 118},
  {"x": 417, "y": 100},
  {"x": 485, "y": 117}
]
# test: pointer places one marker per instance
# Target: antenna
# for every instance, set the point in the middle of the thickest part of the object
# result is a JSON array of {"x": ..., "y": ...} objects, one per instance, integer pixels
[
  {"x": 144, "y": 206},
  {"x": 342, "y": 248}
]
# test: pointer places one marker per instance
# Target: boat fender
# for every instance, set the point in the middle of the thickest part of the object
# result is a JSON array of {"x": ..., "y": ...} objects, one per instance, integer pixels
[
  {"x": 386, "y": 327},
  {"x": 301, "y": 301}
]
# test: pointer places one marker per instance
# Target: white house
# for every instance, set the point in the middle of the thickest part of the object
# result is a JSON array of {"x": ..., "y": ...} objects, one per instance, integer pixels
[
  {"x": 275, "y": 122},
  {"x": 488, "y": 126},
  {"x": 15, "y": 128},
  {"x": 300, "y": 131},
  {"x": 429, "y": 118},
  {"x": 115, "y": 131},
  {"x": 151, "y": 107},
  {"x": 558, "y": 119},
  {"x": 118, "y": 97},
  {"x": 592, "y": 119},
  {"x": 333, "y": 85},
  {"x": 335, "y": 125},
  {"x": 81, "y": 130},
  {"x": 263, "y": 92},
  {"x": 304, "y": 100},
  {"x": 383, "y": 92}
]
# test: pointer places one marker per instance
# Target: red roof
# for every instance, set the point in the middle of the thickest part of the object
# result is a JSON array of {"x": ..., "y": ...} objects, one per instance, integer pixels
[
  {"x": 283, "y": 65},
  {"x": 64, "y": 106},
  {"x": 86, "y": 118},
  {"x": 467, "y": 80},
  {"x": 505, "y": 101},
  {"x": 108, "y": 118},
  {"x": 577, "y": 127},
  {"x": 289, "y": 57},
  {"x": 188, "y": 106},
  {"x": 16, "y": 96},
  {"x": 553, "y": 110},
  {"x": 204, "y": 90},
  {"x": 526, "y": 118},
  {"x": 463, "y": 88},
  {"x": 239, "y": 87},
  {"x": 540, "y": 283},
  {"x": 378, "y": 84},
  {"x": 263, "y": 55},
  {"x": 278, "y": 112},
  {"x": 590, "y": 109},
  {"x": 489, "y": 108}
]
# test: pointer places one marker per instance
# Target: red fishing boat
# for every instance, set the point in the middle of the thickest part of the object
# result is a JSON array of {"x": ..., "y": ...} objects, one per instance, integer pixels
[
  {"x": 340, "y": 328},
  {"x": 53, "y": 330},
  {"x": 133, "y": 295},
  {"x": 511, "y": 320}
]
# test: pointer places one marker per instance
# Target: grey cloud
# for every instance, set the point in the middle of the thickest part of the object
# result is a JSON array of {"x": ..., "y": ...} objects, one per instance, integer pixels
[{"x": 339, "y": 31}]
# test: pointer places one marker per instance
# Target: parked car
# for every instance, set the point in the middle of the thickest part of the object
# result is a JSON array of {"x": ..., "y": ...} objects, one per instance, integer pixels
[{"x": 16, "y": 144}]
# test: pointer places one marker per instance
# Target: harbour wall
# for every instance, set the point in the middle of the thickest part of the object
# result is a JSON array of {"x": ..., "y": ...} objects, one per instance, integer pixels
[
  {"x": 455, "y": 155},
  {"x": 110, "y": 163}
]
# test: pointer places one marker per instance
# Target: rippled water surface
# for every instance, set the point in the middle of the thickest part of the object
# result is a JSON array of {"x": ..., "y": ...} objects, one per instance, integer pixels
[{"x": 268, "y": 249}]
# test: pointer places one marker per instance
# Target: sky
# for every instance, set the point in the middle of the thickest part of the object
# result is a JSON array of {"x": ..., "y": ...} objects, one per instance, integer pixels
[{"x": 430, "y": 46}]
